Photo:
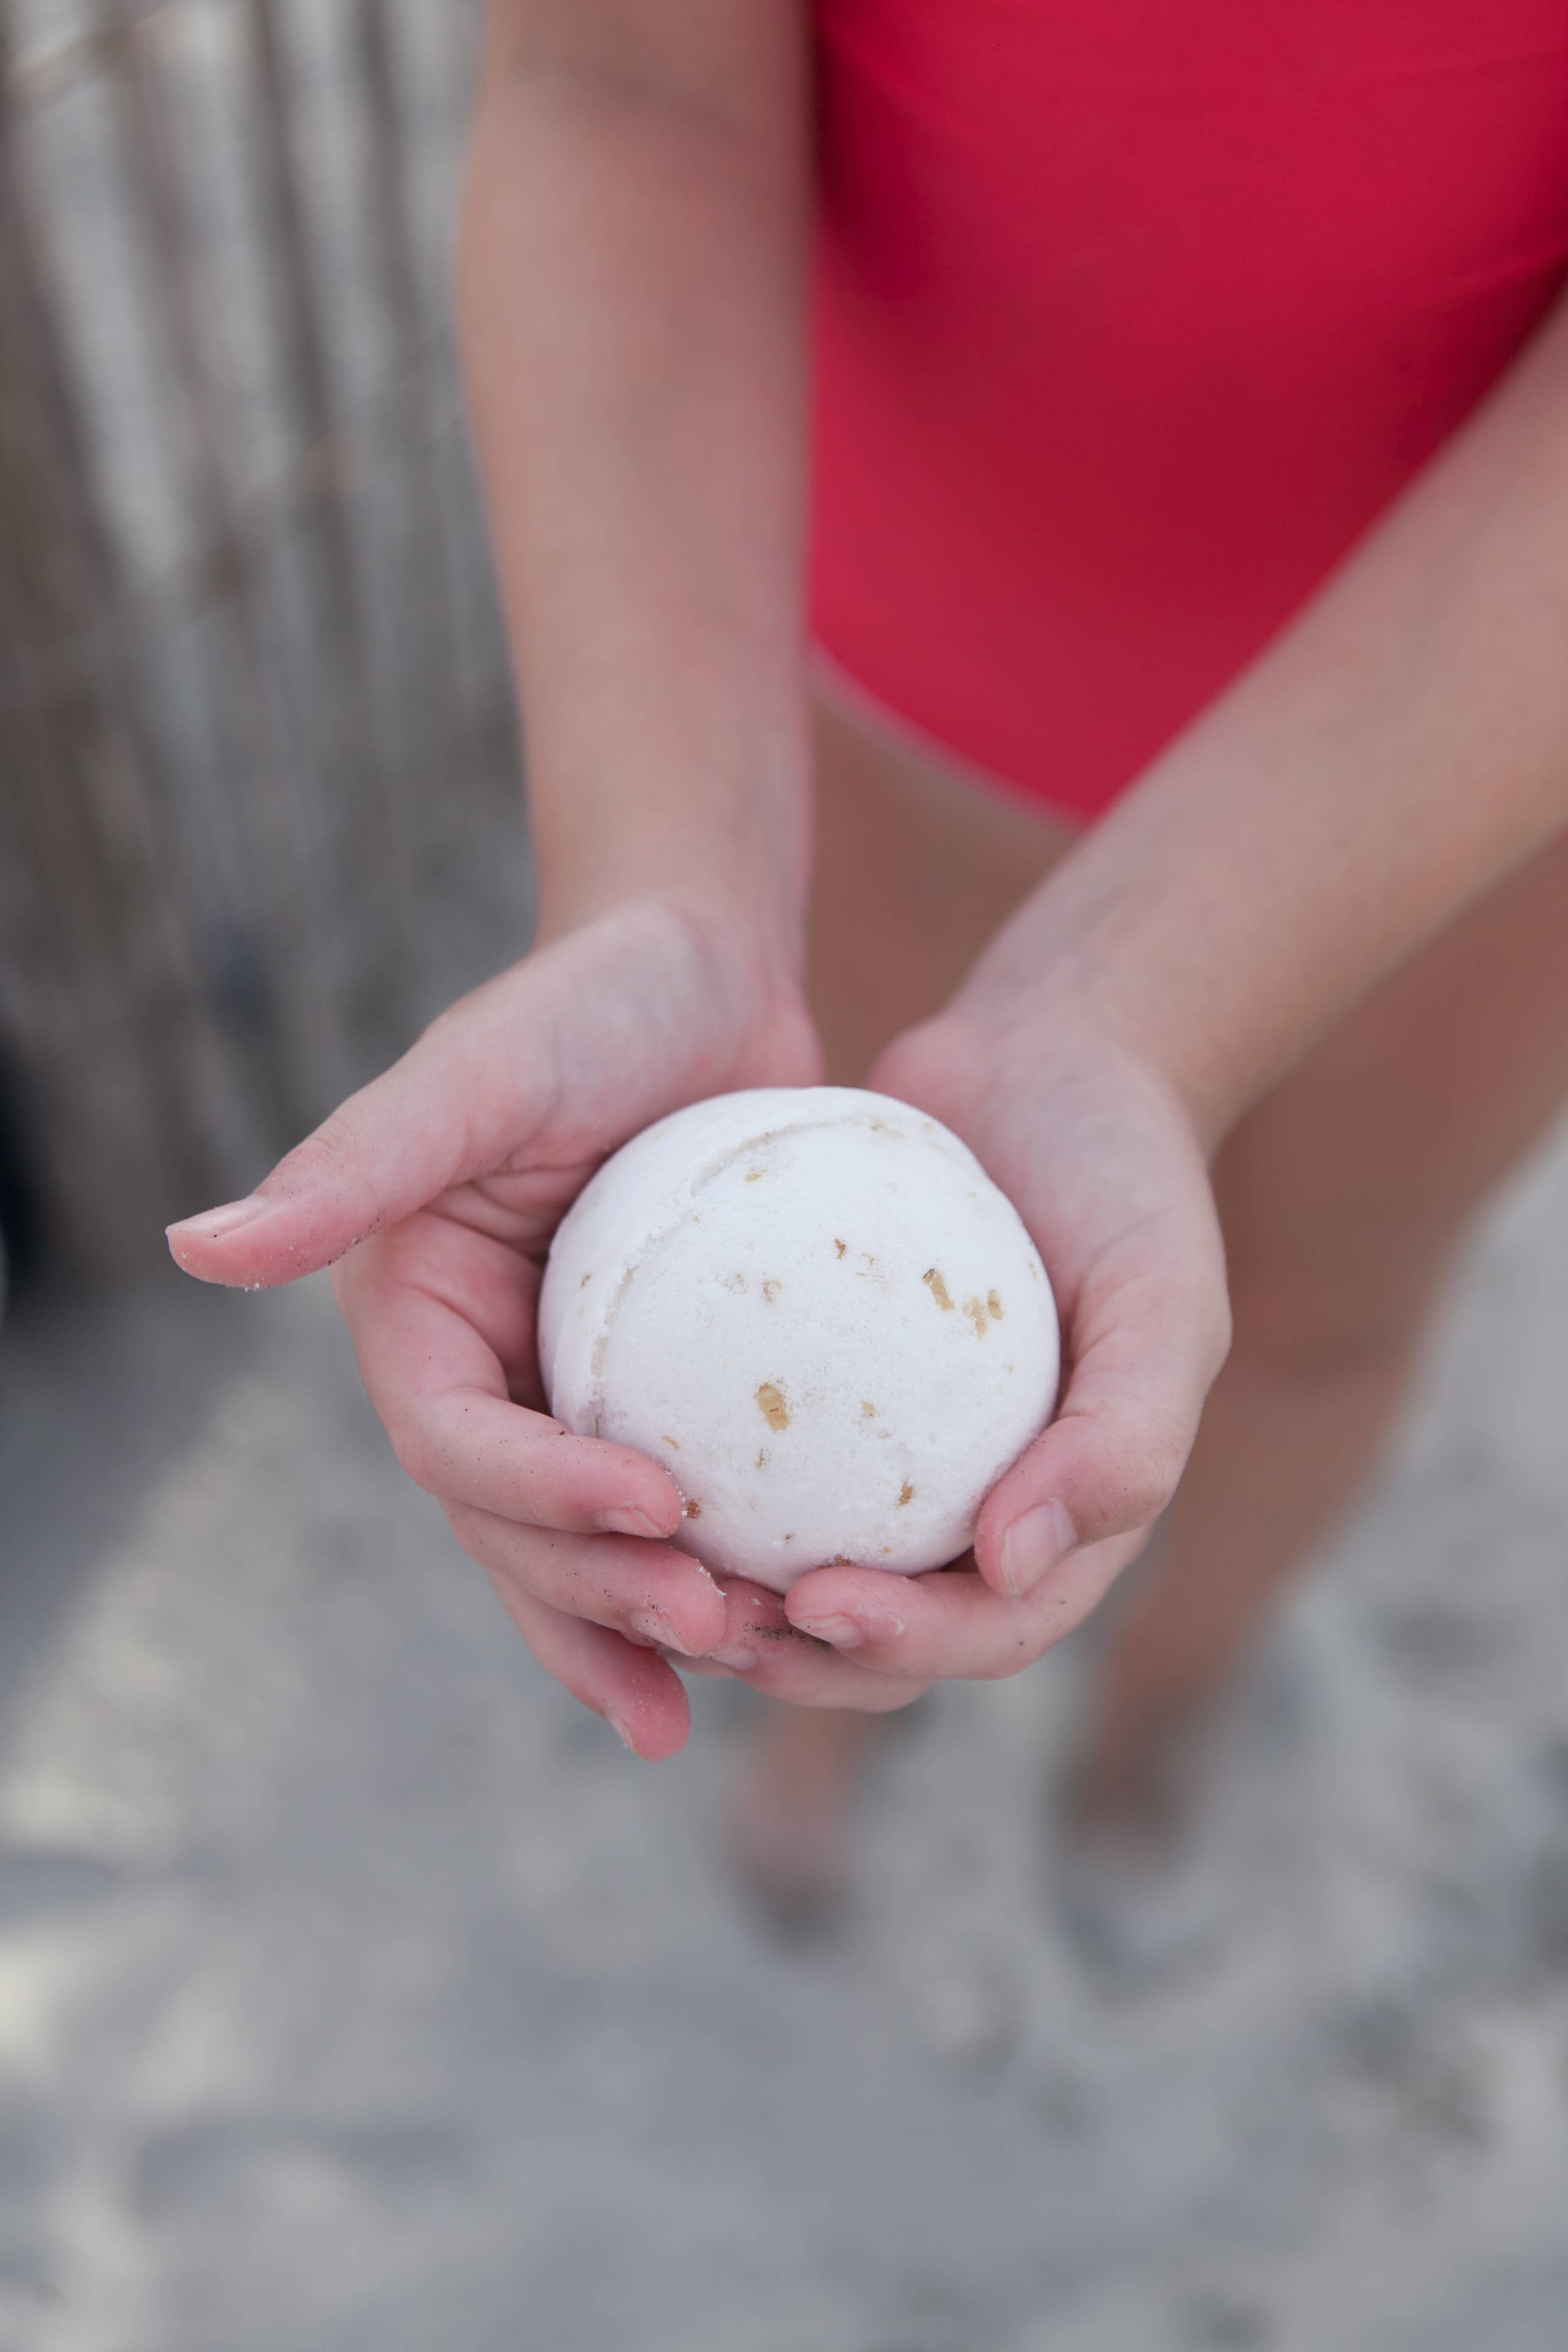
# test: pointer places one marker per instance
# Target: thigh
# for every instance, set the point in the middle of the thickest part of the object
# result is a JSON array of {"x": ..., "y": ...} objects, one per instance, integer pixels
[
  {"x": 1341, "y": 1194},
  {"x": 916, "y": 866}
]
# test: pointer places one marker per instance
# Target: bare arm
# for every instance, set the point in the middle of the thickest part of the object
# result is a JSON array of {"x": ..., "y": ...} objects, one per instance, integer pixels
[
  {"x": 1402, "y": 747},
  {"x": 632, "y": 311},
  {"x": 632, "y": 315},
  {"x": 632, "y": 320}
]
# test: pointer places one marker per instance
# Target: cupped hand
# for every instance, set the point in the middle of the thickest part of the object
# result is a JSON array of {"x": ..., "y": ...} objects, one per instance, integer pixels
[
  {"x": 434, "y": 1194},
  {"x": 1102, "y": 1163}
]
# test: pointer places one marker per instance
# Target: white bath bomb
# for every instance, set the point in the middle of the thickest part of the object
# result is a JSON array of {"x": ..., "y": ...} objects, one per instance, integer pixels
[{"x": 813, "y": 1306}]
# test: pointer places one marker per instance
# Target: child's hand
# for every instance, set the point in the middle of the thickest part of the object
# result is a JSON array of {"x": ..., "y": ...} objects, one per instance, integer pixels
[
  {"x": 436, "y": 1191},
  {"x": 1102, "y": 1163}
]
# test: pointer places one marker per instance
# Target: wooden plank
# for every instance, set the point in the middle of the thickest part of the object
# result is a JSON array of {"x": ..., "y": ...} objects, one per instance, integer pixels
[
  {"x": 99, "y": 990},
  {"x": 376, "y": 859},
  {"x": 116, "y": 978},
  {"x": 416, "y": 343},
  {"x": 292, "y": 904}
]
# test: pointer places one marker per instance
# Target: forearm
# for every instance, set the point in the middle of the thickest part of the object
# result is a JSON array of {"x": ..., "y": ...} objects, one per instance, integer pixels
[
  {"x": 632, "y": 320},
  {"x": 1399, "y": 749}
]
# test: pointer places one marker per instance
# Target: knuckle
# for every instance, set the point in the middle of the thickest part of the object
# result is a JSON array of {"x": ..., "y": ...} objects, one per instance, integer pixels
[
  {"x": 1219, "y": 1332},
  {"x": 1014, "y": 1660},
  {"x": 1199, "y": 1306},
  {"x": 1149, "y": 1494},
  {"x": 412, "y": 1451},
  {"x": 336, "y": 1161},
  {"x": 905, "y": 1696},
  {"x": 331, "y": 1151},
  {"x": 1146, "y": 1480},
  {"x": 459, "y": 1520},
  {"x": 1019, "y": 1650}
]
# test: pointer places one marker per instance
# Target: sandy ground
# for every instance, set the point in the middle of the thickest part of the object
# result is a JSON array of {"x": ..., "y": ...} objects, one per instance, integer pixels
[{"x": 357, "y": 1991}]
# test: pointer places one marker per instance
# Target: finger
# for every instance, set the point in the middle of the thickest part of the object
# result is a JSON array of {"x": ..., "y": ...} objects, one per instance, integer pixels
[
  {"x": 646, "y": 1590},
  {"x": 1149, "y": 1330},
  {"x": 761, "y": 1647},
  {"x": 436, "y": 1312},
  {"x": 494, "y": 1455},
  {"x": 409, "y": 1136},
  {"x": 466, "y": 1099},
  {"x": 560, "y": 1046},
  {"x": 949, "y": 1624},
  {"x": 635, "y": 1691}
]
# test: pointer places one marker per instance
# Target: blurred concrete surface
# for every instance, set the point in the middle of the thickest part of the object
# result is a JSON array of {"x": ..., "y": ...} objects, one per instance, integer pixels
[{"x": 358, "y": 1994}]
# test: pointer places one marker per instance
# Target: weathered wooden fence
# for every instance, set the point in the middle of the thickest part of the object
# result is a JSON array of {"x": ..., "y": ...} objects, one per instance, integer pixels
[{"x": 258, "y": 810}]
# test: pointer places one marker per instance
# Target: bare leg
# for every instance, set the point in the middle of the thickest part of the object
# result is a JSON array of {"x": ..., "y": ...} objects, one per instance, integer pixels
[
  {"x": 790, "y": 1810},
  {"x": 1343, "y": 1197},
  {"x": 915, "y": 872}
]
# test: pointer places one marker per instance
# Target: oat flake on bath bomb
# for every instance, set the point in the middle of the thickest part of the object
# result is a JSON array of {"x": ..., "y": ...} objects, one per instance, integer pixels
[{"x": 813, "y": 1306}]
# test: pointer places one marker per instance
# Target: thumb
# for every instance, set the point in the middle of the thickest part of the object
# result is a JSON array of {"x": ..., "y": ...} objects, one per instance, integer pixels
[
  {"x": 1146, "y": 1347},
  {"x": 402, "y": 1140}
]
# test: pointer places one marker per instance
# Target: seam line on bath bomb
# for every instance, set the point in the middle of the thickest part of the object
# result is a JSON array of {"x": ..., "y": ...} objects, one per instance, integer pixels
[{"x": 654, "y": 1238}]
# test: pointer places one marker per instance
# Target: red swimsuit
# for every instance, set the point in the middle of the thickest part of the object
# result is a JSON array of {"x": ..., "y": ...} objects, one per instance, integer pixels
[{"x": 1131, "y": 316}]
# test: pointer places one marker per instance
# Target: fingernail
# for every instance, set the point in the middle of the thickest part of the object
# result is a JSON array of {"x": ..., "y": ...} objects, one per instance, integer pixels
[
  {"x": 622, "y": 1733},
  {"x": 655, "y": 1627},
  {"x": 842, "y": 1631},
  {"x": 213, "y": 1224},
  {"x": 629, "y": 1522},
  {"x": 739, "y": 1661},
  {"x": 1033, "y": 1545}
]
